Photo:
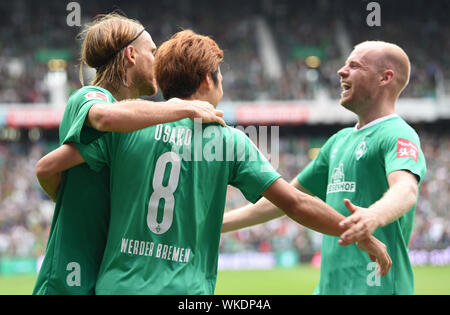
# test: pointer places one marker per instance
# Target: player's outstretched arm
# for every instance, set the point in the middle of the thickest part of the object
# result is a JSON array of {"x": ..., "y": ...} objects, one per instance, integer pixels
[
  {"x": 317, "y": 215},
  {"x": 401, "y": 197},
  {"x": 253, "y": 214},
  {"x": 305, "y": 209},
  {"x": 50, "y": 167},
  {"x": 131, "y": 115}
]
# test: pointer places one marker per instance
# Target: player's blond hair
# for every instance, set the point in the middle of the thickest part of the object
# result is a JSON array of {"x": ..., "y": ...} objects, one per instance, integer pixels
[{"x": 102, "y": 48}]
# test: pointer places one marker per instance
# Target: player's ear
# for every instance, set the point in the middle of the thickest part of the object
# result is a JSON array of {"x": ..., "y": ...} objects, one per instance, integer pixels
[
  {"x": 211, "y": 82},
  {"x": 207, "y": 83},
  {"x": 130, "y": 55},
  {"x": 386, "y": 76}
]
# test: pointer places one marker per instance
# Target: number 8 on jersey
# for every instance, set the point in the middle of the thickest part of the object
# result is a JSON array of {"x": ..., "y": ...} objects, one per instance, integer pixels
[{"x": 163, "y": 192}]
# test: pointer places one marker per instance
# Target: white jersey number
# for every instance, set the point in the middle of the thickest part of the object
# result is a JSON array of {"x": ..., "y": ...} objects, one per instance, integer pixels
[{"x": 163, "y": 192}]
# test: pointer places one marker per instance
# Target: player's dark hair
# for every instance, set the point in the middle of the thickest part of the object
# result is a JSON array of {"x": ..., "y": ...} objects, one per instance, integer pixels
[{"x": 182, "y": 62}]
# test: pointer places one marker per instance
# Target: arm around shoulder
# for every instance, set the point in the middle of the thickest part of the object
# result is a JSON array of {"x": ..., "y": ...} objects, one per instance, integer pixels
[{"x": 132, "y": 115}]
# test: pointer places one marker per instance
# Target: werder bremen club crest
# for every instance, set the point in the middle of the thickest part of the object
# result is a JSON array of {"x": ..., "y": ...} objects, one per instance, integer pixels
[{"x": 361, "y": 149}]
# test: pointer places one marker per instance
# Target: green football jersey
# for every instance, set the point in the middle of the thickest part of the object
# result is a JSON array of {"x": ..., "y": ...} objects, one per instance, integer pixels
[
  {"x": 79, "y": 227},
  {"x": 354, "y": 164},
  {"x": 168, "y": 191}
]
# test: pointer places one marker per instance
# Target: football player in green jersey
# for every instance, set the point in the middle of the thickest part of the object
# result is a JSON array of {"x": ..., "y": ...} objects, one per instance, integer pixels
[
  {"x": 167, "y": 201},
  {"x": 123, "y": 53},
  {"x": 378, "y": 165}
]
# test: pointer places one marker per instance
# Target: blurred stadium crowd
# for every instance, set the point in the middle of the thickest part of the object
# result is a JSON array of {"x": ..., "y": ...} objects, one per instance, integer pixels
[
  {"x": 25, "y": 212},
  {"x": 326, "y": 29}
]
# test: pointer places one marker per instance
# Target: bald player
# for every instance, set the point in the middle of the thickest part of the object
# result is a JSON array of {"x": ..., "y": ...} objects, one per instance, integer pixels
[{"x": 377, "y": 164}]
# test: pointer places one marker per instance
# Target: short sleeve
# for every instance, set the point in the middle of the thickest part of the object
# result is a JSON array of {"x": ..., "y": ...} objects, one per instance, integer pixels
[
  {"x": 79, "y": 105},
  {"x": 314, "y": 176},
  {"x": 252, "y": 173},
  {"x": 401, "y": 151}
]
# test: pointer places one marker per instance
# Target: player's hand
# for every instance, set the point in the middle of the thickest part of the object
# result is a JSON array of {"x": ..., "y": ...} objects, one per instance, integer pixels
[
  {"x": 206, "y": 112},
  {"x": 377, "y": 252},
  {"x": 360, "y": 224}
]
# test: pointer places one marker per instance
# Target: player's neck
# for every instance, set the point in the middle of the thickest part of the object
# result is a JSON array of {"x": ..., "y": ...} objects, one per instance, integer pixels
[
  {"x": 198, "y": 97},
  {"x": 123, "y": 93},
  {"x": 375, "y": 112}
]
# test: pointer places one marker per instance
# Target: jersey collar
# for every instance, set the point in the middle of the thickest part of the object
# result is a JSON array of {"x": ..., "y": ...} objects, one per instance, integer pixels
[{"x": 374, "y": 122}]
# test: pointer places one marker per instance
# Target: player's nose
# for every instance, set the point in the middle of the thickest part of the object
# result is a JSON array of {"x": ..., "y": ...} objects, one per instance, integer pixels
[{"x": 343, "y": 72}]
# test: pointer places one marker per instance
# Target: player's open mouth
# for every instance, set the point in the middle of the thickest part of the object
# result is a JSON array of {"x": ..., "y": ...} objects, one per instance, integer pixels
[{"x": 345, "y": 88}]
